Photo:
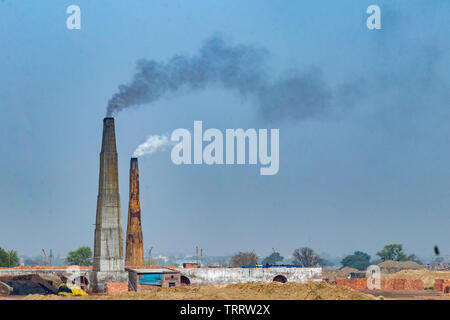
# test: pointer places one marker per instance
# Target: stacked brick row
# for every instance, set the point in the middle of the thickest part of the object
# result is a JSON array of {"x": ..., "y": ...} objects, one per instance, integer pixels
[
  {"x": 116, "y": 288},
  {"x": 357, "y": 284},
  {"x": 386, "y": 284},
  {"x": 442, "y": 285}
]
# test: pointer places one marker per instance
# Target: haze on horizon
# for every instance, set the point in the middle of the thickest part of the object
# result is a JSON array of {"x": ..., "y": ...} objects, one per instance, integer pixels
[{"x": 372, "y": 169}]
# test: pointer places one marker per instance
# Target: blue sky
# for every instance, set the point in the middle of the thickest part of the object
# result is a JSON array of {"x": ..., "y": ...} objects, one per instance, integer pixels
[{"x": 371, "y": 170}]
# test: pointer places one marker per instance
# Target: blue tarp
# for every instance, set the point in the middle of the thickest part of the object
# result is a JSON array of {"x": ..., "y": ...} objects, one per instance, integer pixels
[
  {"x": 276, "y": 265},
  {"x": 150, "y": 278}
]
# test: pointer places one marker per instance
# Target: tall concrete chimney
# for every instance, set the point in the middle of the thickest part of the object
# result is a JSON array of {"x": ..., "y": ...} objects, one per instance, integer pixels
[
  {"x": 134, "y": 255},
  {"x": 108, "y": 264}
]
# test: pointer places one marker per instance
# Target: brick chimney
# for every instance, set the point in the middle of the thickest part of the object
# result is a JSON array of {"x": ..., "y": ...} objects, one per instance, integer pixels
[{"x": 134, "y": 248}]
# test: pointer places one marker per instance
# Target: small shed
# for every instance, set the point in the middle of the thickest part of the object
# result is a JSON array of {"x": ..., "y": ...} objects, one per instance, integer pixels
[{"x": 148, "y": 279}]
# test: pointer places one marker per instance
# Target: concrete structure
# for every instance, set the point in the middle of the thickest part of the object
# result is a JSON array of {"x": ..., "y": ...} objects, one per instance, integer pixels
[
  {"x": 147, "y": 279},
  {"x": 108, "y": 264},
  {"x": 134, "y": 254},
  {"x": 200, "y": 276},
  {"x": 52, "y": 271}
]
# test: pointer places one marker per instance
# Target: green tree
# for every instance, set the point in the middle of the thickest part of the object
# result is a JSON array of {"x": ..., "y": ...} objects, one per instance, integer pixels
[
  {"x": 358, "y": 260},
  {"x": 392, "y": 252},
  {"x": 273, "y": 258},
  {"x": 80, "y": 257},
  {"x": 9, "y": 258}
]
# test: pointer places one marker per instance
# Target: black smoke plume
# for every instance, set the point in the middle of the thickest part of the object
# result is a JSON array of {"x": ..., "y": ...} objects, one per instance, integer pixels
[{"x": 239, "y": 68}]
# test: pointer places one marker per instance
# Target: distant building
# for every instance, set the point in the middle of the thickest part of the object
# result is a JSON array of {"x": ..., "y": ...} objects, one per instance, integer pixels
[{"x": 437, "y": 266}]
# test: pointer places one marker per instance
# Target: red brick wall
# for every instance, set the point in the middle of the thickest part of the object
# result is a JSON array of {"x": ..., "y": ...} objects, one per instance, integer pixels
[
  {"x": 116, "y": 288},
  {"x": 386, "y": 284},
  {"x": 438, "y": 285},
  {"x": 441, "y": 285},
  {"x": 414, "y": 284},
  {"x": 446, "y": 286},
  {"x": 357, "y": 284}
]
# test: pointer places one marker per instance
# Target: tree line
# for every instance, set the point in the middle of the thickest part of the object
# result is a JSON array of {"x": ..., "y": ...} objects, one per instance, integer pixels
[{"x": 305, "y": 257}]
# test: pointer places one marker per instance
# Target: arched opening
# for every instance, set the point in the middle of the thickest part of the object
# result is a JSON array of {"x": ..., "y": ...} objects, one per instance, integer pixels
[
  {"x": 447, "y": 289},
  {"x": 81, "y": 281},
  {"x": 280, "y": 278},
  {"x": 185, "y": 281}
]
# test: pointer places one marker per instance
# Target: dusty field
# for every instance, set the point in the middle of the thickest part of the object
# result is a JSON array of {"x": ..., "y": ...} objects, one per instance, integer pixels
[
  {"x": 274, "y": 290},
  {"x": 408, "y": 295},
  {"x": 240, "y": 291}
]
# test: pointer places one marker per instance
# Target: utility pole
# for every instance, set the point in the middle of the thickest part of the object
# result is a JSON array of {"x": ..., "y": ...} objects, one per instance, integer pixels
[
  {"x": 274, "y": 256},
  {"x": 51, "y": 258},
  {"x": 196, "y": 254},
  {"x": 45, "y": 257},
  {"x": 150, "y": 256},
  {"x": 201, "y": 255}
]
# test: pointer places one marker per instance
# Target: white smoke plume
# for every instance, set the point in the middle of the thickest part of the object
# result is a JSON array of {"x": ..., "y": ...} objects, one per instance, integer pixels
[{"x": 152, "y": 144}]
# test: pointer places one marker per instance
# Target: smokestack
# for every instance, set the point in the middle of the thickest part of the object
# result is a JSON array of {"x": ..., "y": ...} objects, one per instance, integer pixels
[
  {"x": 108, "y": 264},
  {"x": 134, "y": 248}
]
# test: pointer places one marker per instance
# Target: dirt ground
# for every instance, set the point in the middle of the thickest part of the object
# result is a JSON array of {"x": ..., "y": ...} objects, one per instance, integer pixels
[
  {"x": 239, "y": 291},
  {"x": 275, "y": 291},
  {"x": 408, "y": 295}
]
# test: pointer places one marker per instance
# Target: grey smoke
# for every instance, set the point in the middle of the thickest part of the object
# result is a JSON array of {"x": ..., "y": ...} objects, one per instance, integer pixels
[
  {"x": 239, "y": 68},
  {"x": 297, "y": 96}
]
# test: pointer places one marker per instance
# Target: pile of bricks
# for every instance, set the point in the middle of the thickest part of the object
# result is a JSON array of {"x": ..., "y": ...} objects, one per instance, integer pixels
[
  {"x": 356, "y": 283},
  {"x": 386, "y": 284},
  {"x": 442, "y": 285},
  {"x": 116, "y": 288},
  {"x": 402, "y": 284}
]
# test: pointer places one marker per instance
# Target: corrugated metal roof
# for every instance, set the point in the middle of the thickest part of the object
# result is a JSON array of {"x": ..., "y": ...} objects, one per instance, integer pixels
[{"x": 154, "y": 270}]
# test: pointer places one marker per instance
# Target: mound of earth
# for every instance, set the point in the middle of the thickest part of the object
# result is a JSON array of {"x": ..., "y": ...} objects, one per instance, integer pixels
[
  {"x": 390, "y": 266},
  {"x": 238, "y": 291},
  {"x": 330, "y": 274},
  {"x": 425, "y": 275}
]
